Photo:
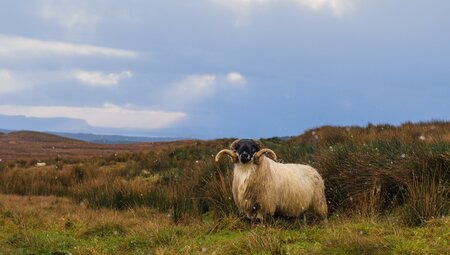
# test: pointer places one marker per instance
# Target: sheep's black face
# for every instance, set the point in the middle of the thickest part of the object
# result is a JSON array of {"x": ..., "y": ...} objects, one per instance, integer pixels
[{"x": 246, "y": 148}]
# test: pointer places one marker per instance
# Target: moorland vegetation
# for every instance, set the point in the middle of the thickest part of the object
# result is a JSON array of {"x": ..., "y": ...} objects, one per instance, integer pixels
[{"x": 387, "y": 189}]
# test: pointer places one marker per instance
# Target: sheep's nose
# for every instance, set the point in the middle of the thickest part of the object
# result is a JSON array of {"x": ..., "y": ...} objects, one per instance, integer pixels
[{"x": 245, "y": 157}]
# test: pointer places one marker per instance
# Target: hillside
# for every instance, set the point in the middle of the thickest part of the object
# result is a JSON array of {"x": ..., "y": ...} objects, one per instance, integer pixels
[
  {"x": 423, "y": 131},
  {"x": 117, "y": 139},
  {"x": 29, "y": 145}
]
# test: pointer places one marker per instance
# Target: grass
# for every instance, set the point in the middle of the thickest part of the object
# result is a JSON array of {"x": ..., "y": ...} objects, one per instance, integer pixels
[{"x": 46, "y": 225}]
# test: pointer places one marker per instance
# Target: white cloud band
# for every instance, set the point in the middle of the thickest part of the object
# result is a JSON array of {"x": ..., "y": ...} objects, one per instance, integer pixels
[
  {"x": 107, "y": 116},
  {"x": 15, "y": 45},
  {"x": 100, "y": 79},
  {"x": 338, "y": 7}
]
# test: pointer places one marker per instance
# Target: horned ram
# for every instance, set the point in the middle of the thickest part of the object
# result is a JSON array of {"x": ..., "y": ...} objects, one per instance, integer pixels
[{"x": 263, "y": 187}]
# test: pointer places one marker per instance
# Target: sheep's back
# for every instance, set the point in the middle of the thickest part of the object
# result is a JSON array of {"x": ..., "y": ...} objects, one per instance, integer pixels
[{"x": 294, "y": 186}]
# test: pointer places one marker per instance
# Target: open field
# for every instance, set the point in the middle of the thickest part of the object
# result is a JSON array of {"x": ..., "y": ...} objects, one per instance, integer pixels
[{"x": 387, "y": 188}]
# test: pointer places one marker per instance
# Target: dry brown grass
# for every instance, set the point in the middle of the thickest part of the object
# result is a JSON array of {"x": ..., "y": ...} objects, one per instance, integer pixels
[{"x": 48, "y": 211}]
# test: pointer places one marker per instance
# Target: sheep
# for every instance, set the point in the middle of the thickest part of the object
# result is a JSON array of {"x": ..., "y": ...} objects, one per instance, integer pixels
[
  {"x": 263, "y": 187},
  {"x": 41, "y": 164}
]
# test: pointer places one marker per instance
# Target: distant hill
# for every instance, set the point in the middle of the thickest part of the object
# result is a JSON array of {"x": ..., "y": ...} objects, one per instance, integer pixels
[
  {"x": 65, "y": 126},
  {"x": 28, "y": 145},
  {"x": 32, "y": 136},
  {"x": 81, "y": 130},
  {"x": 103, "y": 139},
  {"x": 116, "y": 139}
]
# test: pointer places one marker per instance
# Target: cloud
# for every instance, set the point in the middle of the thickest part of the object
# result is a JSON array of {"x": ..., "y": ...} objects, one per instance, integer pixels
[
  {"x": 22, "y": 46},
  {"x": 191, "y": 89},
  {"x": 196, "y": 88},
  {"x": 239, "y": 4},
  {"x": 338, "y": 7},
  {"x": 244, "y": 7},
  {"x": 85, "y": 16},
  {"x": 107, "y": 116},
  {"x": 101, "y": 79},
  {"x": 9, "y": 82},
  {"x": 236, "y": 78},
  {"x": 69, "y": 14},
  {"x": 16, "y": 81}
]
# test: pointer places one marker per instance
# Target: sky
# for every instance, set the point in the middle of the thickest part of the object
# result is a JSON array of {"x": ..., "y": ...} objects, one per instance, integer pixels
[{"x": 221, "y": 68}]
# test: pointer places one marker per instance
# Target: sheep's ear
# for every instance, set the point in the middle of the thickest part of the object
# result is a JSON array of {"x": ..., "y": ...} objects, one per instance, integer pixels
[{"x": 259, "y": 145}]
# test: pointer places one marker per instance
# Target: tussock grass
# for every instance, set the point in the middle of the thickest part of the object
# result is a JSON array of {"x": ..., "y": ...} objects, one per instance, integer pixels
[{"x": 428, "y": 192}]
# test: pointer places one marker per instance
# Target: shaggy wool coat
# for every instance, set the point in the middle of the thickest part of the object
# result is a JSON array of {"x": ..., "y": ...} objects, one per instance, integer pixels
[{"x": 262, "y": 189}]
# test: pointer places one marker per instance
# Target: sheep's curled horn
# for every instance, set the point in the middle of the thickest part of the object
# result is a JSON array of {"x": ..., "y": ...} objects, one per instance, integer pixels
[
  {"x": 230, "y": 152},
  {"x": 270, "y": 153}
]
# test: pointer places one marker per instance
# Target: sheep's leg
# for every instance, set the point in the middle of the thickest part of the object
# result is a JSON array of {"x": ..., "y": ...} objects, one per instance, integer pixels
[{"x": 260, "y": 218}]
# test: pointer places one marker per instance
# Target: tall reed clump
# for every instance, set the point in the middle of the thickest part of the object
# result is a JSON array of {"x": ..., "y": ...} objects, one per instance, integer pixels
[
  {"x": 358, "y": 178},
  {"x": 111, "y": 192},
  {"x": 216, "y": 190},
  {"x": 427, "y": 188},
  {"x": 35, "y": 181},
  {"x": 172, "y": 191},
  {"x": 182, "y": 189}
]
